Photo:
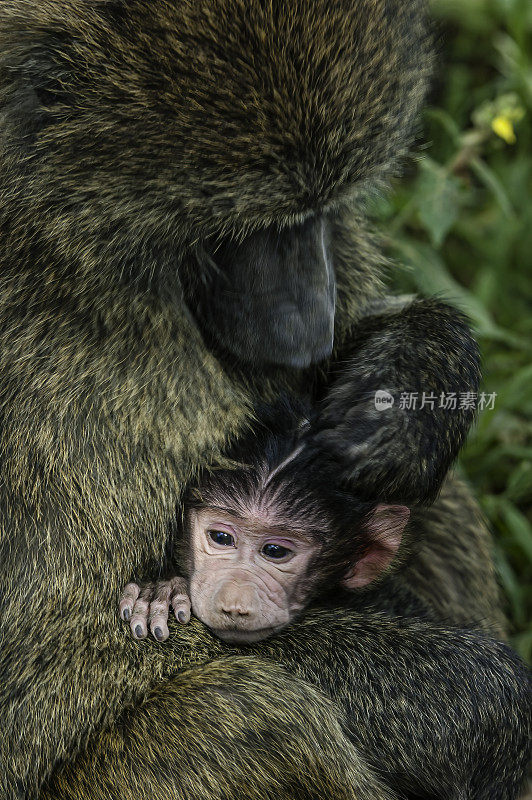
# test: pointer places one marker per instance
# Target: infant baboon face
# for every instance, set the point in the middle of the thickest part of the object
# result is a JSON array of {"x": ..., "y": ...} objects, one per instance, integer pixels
[
  {"x": 255, "y": 556},
  {"x": 248, "y": 578}
]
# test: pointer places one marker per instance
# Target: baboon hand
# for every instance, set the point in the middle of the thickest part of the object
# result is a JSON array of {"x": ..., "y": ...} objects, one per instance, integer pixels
[
  {"x": 363, "y": 442},
  {"x": 147, "y": 607},
  {"x": 355, "y": 434}
]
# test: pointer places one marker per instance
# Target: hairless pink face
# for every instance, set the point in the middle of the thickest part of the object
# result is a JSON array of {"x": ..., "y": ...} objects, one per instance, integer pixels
[
  {"x": 253, "y": 569},
  {"x": 250, "y": 575},
  {"x": 248, "y": 579}
]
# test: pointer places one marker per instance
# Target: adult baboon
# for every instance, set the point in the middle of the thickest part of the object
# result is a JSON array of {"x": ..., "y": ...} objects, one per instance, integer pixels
[{"x": 177, "y": 189}]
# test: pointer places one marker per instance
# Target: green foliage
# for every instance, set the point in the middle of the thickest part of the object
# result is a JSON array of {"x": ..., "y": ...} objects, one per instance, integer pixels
[{"x": 461, "y": 226}]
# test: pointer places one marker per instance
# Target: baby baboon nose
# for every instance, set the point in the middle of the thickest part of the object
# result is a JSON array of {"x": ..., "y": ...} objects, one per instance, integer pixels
[
  {"x": 236, "y": 612},
  {"x": 237, "y": 601}
]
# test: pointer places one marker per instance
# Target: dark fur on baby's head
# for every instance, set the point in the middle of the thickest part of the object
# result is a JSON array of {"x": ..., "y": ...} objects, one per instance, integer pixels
[{"x": 281, "y": 478}]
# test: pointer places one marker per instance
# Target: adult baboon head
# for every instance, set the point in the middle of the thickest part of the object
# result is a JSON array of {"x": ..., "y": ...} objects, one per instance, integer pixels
[{"x": 217, "y": 142}]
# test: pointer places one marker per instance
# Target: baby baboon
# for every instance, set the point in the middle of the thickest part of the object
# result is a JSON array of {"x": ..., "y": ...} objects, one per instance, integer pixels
[{"x": 261, "y": 541}]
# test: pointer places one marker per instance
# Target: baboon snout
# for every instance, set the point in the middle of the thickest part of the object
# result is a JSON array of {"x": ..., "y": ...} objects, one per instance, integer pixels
[{"x": 237, "y": 600}]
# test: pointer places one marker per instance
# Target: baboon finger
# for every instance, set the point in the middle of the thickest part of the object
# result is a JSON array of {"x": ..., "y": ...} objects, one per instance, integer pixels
[
  {"x": 141, "y": 609},
  {"x": 127, "y": 601},
  {"x": 159, "y": 609},
  {"x": 180, "y": 599},
  {"x": 159, "y": 625},
  {"x": 181, "y": 606},
  {"x": 179, "y": 585}
]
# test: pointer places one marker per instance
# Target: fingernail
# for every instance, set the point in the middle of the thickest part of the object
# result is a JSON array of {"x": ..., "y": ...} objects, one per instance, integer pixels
[
  {"x": 139, "y": 632},
  {"x": 182, "y": 617},
  {"x": 159, "y": 634},
  {"x": 126, "y": 614}
]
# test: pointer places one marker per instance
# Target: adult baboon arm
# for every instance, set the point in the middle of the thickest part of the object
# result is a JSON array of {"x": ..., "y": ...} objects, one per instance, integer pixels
[
  {"x": 398, "y": 452},
  {"x": 237, "y": 727},
  {"x": 441, "y": 712},
  {"x": 437, "y": 712}
]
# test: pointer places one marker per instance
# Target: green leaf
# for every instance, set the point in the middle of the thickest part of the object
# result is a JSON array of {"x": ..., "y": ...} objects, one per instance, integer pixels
[
  {"x": 518, "y": 526},
  {"x": 520, "y": 483},
  {"x": 432, "y": 279},
  {"x": 446, "y": 121},
  {"x": 510, "y": 584},
  {"x": 491, "y": 181},
  {"x": 438, "y": 199},
  {"x": 523, "y": 644},
  {"x": 518, "y": 391}
]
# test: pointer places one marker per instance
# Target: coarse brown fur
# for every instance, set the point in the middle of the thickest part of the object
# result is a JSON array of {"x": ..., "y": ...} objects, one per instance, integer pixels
[
  {"x": 130, "y": 133},
  {"x": 386, "y": 732},
  {"x": 214, "y": 716}
]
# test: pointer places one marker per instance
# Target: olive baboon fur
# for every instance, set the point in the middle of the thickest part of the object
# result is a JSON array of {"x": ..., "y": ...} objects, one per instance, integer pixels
[{"x": 135, "y": 138}]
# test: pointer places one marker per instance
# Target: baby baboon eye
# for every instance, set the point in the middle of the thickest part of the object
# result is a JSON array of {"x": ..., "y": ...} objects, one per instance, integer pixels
[
  {"x": 275, "y": 552},
  {"x": 222, "y": 538}
]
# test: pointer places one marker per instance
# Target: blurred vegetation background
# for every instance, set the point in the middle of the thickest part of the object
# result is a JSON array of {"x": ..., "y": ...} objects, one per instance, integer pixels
[{"x": 461, "y": 224}]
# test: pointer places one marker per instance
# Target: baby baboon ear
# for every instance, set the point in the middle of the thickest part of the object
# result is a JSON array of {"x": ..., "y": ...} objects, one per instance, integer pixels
[{"x": 384, "y": 530}]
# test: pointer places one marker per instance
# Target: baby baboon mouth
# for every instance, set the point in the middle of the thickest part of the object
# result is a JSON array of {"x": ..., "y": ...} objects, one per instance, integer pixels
[{"x": 238, "y": 636}]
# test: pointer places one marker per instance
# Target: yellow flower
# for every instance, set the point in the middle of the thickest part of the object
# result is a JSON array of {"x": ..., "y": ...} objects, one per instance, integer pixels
[{"x": 503, "y": 127}]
